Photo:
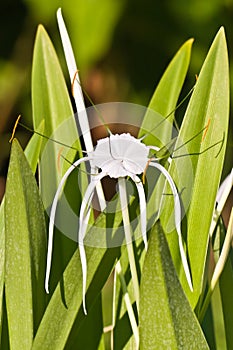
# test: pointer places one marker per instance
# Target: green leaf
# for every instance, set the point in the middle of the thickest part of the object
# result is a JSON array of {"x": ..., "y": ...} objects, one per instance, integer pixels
[
  {"x": 163, "y": 102},
  {"x": 166, "y": 94},
  {"x": 65, "y": 306},
  {"x": 79, "y": 337},
  {"x": 32, "y": 154},
  {"x": 51, "y": 104},
  {"x": 50, "y": 99},
  {"x": 32, "y": 151},
  {"x": 218, "y": 321},
  {"x": 221, "y": 305},
  {"x": 25, "y": 237},
  {"x": 122, "y": 326},
  {"x": 197, "y": 177},
  {"x": 66, "y": 302},
  {"x": 226, "y": 291},
  {"x": 2, "y": 259},
  {"x": 166, "y": 320}
]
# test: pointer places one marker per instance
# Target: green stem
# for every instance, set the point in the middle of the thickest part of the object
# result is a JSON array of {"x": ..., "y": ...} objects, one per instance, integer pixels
[
  {"x": 221, "y": 202},
  {"x": 128, "y": 304},
  {"x": 128, "y": 238},
  {"x": 219, "y": 266}
]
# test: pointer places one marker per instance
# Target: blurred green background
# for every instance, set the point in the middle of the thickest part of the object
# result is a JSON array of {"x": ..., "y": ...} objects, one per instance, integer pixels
[{"x": 122, "y": 49}]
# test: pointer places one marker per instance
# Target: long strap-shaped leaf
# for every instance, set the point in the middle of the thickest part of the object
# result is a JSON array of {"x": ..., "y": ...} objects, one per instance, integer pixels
[
  {"x": 209, "y": 105},
  {"x": 166, "y": 320},
  {"x": 25, "y": 252}
]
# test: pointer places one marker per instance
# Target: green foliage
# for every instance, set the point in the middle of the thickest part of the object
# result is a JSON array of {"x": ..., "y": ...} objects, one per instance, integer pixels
[
  {"x": 208, "y": 104},
  {"x": 166, "y": 318},
  {"x": 52, "y": 106},
  {"x": 25, "y": 242},
  {"x": 66, "y": 302},
  {"x": 32, "y": 320}
]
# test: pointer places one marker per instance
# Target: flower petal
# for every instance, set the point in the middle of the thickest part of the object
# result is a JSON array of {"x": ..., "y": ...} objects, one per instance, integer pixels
[
  {"x": 142, "y": 204},
  {"x": 52, "y": 218},
  {"x": 71, "y": 64},
  {"x": 177, "y": 209},
  {"x": 128, "y": 237},
  {"x": 78, "y": 96},
  {"x": 83, "y": 223},
  {"x": 221, "y": 198},
  {"x": 75, "y": 81}
]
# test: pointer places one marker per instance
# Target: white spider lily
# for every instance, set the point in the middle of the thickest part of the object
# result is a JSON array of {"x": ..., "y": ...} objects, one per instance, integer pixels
[{"x": 117, "y": 156}]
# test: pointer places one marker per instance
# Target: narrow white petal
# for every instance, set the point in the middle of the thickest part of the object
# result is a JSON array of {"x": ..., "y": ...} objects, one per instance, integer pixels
[
  {"x": 224, "y": 253},
  {"x": 52, "y": 218},
  {"x": 177, "y": 209},
  {"x": 70, "y": 61},
  {"x": 77, "y": 91},
  {"x": 78, "y": 97},
  {"x": 225, "y": 188},
  {"x": 81, "y": 110},
  {"x": 222, "y": 196},
  {"x": 128, "y": 238},
  {"x": 83, "y": 223},
  {"x": 142, "y": 204}
]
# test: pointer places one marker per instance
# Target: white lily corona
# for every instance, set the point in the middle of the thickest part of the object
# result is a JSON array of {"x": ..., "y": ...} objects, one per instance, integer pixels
[{"x": 118, "y": 156}]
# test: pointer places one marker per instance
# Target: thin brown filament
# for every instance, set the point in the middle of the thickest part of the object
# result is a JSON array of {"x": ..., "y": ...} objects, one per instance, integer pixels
[
  {"x": 206, "y": 129},
  {"x": 59, "y": 159},
  {"x": 145, "y": 170},
  {"x": 73, "y": 81},
  {"x": 14, "y": 128}
]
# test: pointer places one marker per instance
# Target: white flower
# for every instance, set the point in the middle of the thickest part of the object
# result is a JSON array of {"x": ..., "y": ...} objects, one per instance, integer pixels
[
  {"x": 120, "y": 155},
  {"x": 117, "y": 156}
]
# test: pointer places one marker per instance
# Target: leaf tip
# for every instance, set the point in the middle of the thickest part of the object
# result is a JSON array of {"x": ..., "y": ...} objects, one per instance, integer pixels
[
  {"x": 221, "y": 33},
  {"x": 190, "y": 41},
  {"x": 40, "y": 28}
]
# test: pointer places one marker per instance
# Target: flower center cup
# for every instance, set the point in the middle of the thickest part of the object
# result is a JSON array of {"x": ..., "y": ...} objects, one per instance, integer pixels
[{"x": 120, "y": 155}]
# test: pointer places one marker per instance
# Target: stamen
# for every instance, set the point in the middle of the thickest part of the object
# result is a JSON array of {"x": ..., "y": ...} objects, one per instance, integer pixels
[
  {"x": 169, "y": 114},
  {"x": 145, "y": 170},
  {"x": 48, "y": 138},
  {"x": 206, "y": 129},
  {"x": 203, "y": 151},
  {"x": 52, "y": 218},
  {"x": 14, "y": 128},
  {"x": 59, "y": 159},
  {"x": 73, "y": 81}
]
